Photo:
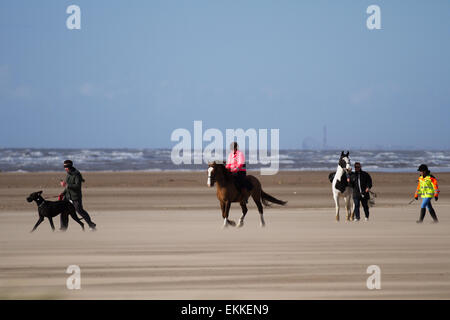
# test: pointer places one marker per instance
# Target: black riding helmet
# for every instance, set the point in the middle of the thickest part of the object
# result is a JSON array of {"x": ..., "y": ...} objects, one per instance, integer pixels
[{"x": 423, "y": 168}]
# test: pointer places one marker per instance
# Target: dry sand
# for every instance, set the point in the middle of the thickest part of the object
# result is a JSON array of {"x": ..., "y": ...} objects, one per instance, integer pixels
[{"x": 160, "y": 237}]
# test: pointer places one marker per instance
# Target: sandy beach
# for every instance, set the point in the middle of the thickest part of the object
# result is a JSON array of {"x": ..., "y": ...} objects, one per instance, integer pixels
[{"x": 160, "y": 236}]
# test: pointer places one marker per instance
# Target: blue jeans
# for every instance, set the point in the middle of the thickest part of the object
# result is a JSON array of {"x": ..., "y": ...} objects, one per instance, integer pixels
[
  {"x": 365, "y": 205},
  {"x": 426, "y": 203}
]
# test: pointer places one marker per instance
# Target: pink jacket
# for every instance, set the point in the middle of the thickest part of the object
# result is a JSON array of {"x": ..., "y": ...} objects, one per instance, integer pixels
[{"x": 236, "y": 161}]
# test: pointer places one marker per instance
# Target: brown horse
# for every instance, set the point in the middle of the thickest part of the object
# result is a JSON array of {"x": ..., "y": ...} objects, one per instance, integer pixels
[{"x": 228, "y": 193}]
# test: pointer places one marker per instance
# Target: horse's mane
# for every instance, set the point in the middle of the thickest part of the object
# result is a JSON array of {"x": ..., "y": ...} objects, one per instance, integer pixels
[
  {"x": 340, "y": 168},
  {"x": 226, "y": 173}
]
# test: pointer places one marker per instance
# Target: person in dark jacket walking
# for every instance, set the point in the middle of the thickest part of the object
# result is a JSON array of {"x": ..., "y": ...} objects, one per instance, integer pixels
[
  {"x": 73, "y": 183},
  {"x": 361, "y": 182}
]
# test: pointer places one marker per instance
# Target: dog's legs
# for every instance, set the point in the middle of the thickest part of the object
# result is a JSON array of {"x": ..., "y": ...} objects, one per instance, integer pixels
[
  {"x": 64, "y": 221},
  {"x": 41, "y": 218},
  {"x": 51, "y": 223}
]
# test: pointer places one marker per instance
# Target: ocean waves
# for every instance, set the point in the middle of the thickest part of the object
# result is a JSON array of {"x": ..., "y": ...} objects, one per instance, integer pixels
[{"x": 32, "y": 160}]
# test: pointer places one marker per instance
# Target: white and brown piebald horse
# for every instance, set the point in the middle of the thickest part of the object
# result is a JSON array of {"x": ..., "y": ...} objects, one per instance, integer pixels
[{"x": 340, "y": 186}]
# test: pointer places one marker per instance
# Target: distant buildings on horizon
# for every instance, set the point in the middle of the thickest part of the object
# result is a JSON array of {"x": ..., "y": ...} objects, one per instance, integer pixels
[{"x": 311, "y": 143}]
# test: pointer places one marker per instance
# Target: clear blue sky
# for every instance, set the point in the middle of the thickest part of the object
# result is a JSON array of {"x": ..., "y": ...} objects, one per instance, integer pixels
[{"x": 137, "y": 70}]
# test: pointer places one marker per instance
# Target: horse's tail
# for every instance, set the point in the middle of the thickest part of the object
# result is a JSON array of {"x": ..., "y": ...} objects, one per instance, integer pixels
[{"x": 266, "y": 198}]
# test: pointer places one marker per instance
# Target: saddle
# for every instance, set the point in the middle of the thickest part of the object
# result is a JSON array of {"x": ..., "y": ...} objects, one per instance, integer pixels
[
  {"x": 331, "y": 176},
  {"x": 242, "y": 182},
  {"x": 247, "y": 184},
  {"x": 340, "y": 185}
]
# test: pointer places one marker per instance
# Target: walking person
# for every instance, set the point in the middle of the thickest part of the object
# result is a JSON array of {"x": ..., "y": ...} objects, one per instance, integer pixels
[
  {"x": 72, "y": 192},
  {"x": 361, "y": 182},
  {"x": 428, "y": 188}
]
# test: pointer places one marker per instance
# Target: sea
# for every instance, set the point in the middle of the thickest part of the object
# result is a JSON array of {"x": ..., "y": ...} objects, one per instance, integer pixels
[{"x": 41, "y": 160}]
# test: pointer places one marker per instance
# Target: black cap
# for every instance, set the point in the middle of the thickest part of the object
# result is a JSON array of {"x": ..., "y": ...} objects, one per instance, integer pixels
[
  {"x": 423, "y": 167},
  {"x": 68, "y": 164}
]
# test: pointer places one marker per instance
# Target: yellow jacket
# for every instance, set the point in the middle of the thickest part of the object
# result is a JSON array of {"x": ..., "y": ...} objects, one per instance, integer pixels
[{"x": 427, "y": 187}]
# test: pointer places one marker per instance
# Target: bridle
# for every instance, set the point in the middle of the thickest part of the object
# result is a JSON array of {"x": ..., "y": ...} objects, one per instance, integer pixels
[{"x": 343, "y": 163}]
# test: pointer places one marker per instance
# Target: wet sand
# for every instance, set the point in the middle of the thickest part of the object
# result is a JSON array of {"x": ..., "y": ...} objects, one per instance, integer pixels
[{"x": 160, "y": 236}]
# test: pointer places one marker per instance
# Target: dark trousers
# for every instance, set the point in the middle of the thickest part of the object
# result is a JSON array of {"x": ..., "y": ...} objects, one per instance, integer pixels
[
  {"x": 78, "y": 204},
  {"x": 364, "y": 202}
]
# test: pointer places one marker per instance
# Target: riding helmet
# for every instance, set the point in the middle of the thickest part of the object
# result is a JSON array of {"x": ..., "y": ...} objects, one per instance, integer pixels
[{"x": 423, "y": 167}]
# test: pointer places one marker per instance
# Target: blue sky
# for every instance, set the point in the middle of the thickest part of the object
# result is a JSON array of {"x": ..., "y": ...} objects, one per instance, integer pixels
[{"x": 137, "y": 70}]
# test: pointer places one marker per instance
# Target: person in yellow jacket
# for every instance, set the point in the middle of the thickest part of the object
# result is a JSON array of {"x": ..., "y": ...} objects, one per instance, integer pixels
[{"x": 427, "y": 188}]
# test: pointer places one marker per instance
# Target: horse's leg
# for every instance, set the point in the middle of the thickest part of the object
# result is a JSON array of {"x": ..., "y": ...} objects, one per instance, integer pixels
[
  {"x": 244, "y": 212},
  {"x": 336, "y": 202},
  {"x": 350, "y": 208},
  {"x": 227, "y": 213},
  {"x": 224, "y": 215},
  {"x": 257, "y": 200},
  {"x": 347, "y": 208}
]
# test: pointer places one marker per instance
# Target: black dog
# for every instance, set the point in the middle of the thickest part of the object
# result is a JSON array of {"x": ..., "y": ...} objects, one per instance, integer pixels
[{"x": 50, "y": 209}]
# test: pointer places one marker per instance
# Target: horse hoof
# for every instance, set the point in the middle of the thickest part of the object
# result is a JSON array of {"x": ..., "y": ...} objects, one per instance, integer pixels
[
  {"x": 240, "y": 224},
  {"x": 337, "y": 218},
  {"x": 262, "y": 225},
  {"x": 232, "y": 223}
]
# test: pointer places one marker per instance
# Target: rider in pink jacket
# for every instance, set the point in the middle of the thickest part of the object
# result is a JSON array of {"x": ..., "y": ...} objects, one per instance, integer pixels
[
  {"x": 236, "y": 165},
  {"x": 236, "y": 159}
]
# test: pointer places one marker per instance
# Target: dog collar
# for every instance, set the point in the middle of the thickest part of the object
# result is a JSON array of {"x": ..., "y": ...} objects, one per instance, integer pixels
[{"x": 42, "y": 203}]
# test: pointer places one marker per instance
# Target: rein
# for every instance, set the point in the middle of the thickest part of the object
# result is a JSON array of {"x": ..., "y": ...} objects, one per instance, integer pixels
[{"x": 223, "y": 177}]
